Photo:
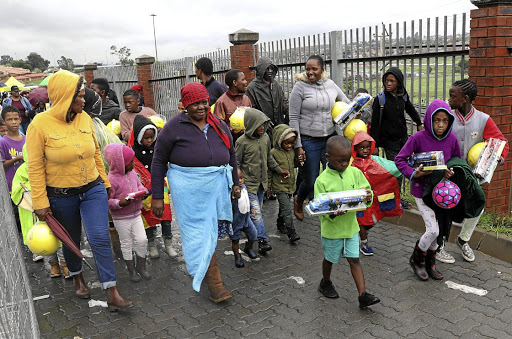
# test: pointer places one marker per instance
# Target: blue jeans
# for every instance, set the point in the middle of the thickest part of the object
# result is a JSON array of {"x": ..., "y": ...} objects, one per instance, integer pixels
[
  {"x": 315, "y": 154},
  {"x": 91, "y": 209},
  {"x": 166, "y": 230},
  {"x": 256, "y": 202}
]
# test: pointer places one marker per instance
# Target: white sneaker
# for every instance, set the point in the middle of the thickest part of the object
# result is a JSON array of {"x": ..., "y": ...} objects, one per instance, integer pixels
[
  {"x": 444, "y": 256},
  {"x": 467, "y": 252},
  {"x": 36, "y": 257},
  {"x": 168, "y": 248}
]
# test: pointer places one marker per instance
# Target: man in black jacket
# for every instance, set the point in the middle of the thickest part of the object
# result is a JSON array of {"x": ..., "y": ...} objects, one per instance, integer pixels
[
  {"x": 266, "y": 93},
  {"x": 388, "y": 127},
  {"x": 110, "y": 110}
]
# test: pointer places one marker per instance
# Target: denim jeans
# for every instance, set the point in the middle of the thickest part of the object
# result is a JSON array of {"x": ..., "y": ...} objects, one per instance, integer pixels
[
  {"x": 315, "y": 154},
  {"x": 256, "y": 201},
  {"x": 91, "y": 209}
]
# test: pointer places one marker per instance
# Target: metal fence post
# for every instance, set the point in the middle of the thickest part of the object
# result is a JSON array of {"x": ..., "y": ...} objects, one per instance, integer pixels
[
  {"x": 189, "y": 69},
  {"x": 336, "y": 53}
]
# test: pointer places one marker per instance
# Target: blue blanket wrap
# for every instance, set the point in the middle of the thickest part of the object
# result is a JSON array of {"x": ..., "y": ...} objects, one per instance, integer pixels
[{"x": 201, "y": 196}]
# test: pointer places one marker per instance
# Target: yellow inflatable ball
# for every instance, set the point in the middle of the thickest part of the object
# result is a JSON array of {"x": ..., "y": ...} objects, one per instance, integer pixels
[
  {"x": 41, "y": 240},
  {"x": 212, "y": 108},
  {"x": 339, "y": 107},
  {"x": 157, "y": 120},
  {"x": 474, "y": 153},
  {"x": 115, "y": 126},
  {"x": 236, "y": 119},
  {"x": 353, "y": 127}
]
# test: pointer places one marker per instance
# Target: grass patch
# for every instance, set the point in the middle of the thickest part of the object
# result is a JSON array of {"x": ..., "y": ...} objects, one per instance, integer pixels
[{"x": 496, "y": 223}]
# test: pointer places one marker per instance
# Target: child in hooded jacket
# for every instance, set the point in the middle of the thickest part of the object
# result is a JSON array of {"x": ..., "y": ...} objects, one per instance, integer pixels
[
  {"x": 142, "y": 140},
  {"x": 283, "y": 153},
  {"x": 437, "y": 136},
  {"x": 253, "y": 158},
  {"x": 383, "y": 180},
  {"x": 126, "y": 213}
]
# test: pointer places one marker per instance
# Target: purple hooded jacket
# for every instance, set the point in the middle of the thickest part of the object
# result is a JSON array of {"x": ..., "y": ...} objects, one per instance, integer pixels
[
  {"x": 427, "y": 141},
  {"x": 121, "y": 184}
]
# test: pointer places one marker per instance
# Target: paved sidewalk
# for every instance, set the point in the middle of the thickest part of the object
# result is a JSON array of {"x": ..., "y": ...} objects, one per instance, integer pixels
[{"x": 276, "y": 296}]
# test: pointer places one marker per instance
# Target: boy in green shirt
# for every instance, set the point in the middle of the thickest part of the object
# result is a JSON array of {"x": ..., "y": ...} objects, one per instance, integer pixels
[{"x": 340, "y": 231}]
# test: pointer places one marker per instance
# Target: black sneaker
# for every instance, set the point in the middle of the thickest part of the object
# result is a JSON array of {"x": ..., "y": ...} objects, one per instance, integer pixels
[
  {"x": 293, "y": 237},
  {"x": 264, "y": 246},
  {"x": 405, "y": 204},
  {"x": 239, "y": 262},
  {"x": 327, "y": 289},
  {"x": 366, "y": 299}
]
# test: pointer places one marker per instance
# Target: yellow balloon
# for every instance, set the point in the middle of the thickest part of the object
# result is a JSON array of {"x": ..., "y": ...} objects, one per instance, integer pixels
[
  {"x": 353, "y": 127},
  {"x": 236, "y": 119},
  {"x": 474, "y": 153},
  {"x": 339, "y": 107},
  {"x": 115, "y": 126},
  {"x": 212, "y": 108},
  {"x": 41, "y": 240},
  {"x": 159, "y": 122}
]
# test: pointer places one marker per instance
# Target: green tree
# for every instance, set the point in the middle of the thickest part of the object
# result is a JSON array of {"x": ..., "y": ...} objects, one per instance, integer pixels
[
  {"x": 6, "y": 59},
  {"x": 37, "y": 61},
  {"x": 66, "y": 63},
  {"x": 22, "y": 64},
  {"x": 462, "y": 63},
  {"x": 123, "y": 54}
]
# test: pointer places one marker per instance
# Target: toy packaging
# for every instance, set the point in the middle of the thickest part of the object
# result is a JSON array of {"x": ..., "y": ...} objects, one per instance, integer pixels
[
  {"x": 330, "y": 202},
  {"x": 431, "y": 161},
  {"x": 488, "y": 160},
  {"x": 137, "y": 195},
  {"x": 357, "y": 105}
]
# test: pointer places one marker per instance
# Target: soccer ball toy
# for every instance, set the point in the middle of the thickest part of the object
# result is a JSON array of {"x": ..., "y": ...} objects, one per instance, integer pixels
[
  {"x": 474, "y": 153},
  {"x": 41, "y": 240},
  {"x": 339, "y": 107},
  {"x": 115, "y": 126},
  {"x": 353, "y": 127},
  {"x": 446, "y": 194},
  {"x": 236, "y": 120}
]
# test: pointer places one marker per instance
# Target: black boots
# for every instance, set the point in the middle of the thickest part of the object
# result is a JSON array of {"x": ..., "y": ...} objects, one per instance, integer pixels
[
  {"x": 141, "y": 268},
  {"x": 133, "y": 275},
  {"x": 417, "y": 262},
  {"x": 430, "y": 266},
  {"x": 281, "y": 227},
  {"x": 249, "y": 251},
  {"x": 239, "y": 262},
  {"x": 264, "y": 246},
  {"x": 293, "y": 237}
]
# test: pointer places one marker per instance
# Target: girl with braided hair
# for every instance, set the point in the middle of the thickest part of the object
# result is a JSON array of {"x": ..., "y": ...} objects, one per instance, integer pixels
[{"x": 471, "y": 126}]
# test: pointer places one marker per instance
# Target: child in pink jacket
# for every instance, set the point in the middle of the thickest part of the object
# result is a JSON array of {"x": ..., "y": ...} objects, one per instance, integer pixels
[{"x": 126, "y": 211}]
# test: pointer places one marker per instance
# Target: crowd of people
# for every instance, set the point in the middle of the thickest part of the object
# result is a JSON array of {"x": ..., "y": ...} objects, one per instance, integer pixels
[{"x": 85, "y": 174}]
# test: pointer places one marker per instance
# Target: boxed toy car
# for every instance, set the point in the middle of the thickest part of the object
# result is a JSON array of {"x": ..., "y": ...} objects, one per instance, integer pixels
[{"x": 330, "y": 202}]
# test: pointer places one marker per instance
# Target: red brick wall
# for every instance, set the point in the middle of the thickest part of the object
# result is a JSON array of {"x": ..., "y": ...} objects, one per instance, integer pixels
[
  {"x": 143, "y": 76},
  {"x": 89, "y": 77},
  {"x": 242, "y": 58},
  {"x": 490, "y": 67}
]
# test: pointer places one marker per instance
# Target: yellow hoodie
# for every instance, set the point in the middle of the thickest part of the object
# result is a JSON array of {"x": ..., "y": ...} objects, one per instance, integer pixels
[{"x": 62, "y": 154}]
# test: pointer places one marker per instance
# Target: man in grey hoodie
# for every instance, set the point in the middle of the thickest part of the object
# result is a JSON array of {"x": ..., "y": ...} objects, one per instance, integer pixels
[
  {"x": 110, "y": 110},
  {"x": 266, "y": 93}
]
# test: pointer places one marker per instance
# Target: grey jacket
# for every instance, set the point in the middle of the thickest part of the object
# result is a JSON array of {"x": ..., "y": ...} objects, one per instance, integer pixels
[{"x": 311, "y": 105}]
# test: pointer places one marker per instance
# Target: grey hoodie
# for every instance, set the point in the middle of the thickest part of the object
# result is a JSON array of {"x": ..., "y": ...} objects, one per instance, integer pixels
[{"x": 311, "y": 105}]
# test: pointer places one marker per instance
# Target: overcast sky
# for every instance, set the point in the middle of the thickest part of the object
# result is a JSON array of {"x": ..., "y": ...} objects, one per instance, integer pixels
[{"x": 85, "y": 30}]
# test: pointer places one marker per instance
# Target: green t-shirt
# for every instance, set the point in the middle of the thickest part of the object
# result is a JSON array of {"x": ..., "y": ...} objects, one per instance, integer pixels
[{"x": 342, "y": 226}]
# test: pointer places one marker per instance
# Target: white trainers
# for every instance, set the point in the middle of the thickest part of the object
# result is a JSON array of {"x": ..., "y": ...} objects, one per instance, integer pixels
[
  {"x": 444, "y": 256},
  {"x": 467, "y": 252},
  {"x": 168, "y": 248},
  {"x": 36, "y": 257}
]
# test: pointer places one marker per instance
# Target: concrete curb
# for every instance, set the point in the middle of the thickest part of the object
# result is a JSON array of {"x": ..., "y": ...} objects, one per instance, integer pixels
[{"x": 496, "y": 245}]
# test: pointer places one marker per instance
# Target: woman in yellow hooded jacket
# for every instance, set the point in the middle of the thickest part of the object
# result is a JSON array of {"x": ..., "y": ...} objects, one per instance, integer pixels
[{"x": 68, "y": 180}]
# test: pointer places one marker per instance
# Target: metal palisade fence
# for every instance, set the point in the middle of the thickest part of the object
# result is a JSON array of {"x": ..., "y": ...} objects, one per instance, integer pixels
[
  {"x": 432, "y": 54},
  {"x": 170, "y": 76},
  {"x": 120, "y": 78},
  {"x": 17, "y": 314}
]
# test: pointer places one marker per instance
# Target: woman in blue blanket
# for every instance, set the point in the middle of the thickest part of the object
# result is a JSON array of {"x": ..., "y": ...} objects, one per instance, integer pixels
[{"x": 202, "y": 170}]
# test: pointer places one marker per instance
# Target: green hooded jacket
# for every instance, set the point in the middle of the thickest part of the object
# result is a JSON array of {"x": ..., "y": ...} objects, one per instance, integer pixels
[
  {"x": 21, "y": 177},
  {"x": 253, "y": 152},
  {"x": 285, "y": 159}
]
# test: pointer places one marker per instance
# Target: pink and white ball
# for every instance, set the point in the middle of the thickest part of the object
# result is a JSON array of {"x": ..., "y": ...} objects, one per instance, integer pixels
[{"x": 446, "y": 194}]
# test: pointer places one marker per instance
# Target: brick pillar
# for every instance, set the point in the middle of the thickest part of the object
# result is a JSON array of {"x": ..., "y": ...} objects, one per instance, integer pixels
[
  {"x": 144, "y": 76},
  {"x": 89, "y": 73},
  {"x": 490, "y": 67},
  {"x": 243, "y": 52}
]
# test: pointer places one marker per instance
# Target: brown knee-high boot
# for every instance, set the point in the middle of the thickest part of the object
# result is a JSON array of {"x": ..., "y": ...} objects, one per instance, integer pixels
[
  {"x": 114, "y": 300},
  {"x": 217, "y": 291}
]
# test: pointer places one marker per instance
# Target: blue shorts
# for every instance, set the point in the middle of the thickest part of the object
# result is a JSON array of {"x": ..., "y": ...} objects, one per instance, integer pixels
[{"x": 334, "y": 249}]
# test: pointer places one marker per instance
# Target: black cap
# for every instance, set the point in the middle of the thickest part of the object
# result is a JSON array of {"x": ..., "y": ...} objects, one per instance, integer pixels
[{"x": 15, "y": 89}]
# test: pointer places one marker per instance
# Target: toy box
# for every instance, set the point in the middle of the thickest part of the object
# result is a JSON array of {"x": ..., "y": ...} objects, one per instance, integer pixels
[
  {"x": 357, "y": 105},
  {"x": 431, "y": 161},
  {"x": 328, "y": 203},
  {"x": 488, "y": 160}
]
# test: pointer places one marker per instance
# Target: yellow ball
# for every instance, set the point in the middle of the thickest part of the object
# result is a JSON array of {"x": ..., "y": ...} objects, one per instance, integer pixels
[
  {"x": 236, "y": 119},
  {"x": 339, "y": 107},
  {"x": 158, "y": 121},
  {"x": 353, "y": 127},
  {"x": 40, "y": 239},
  {"x": 115, "y": 126},
  {"x": 474, "y": 153},
  {"x": 212, "y": 108}
]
